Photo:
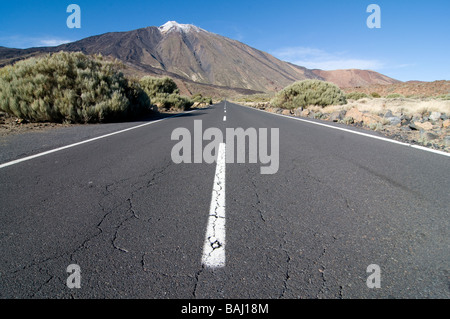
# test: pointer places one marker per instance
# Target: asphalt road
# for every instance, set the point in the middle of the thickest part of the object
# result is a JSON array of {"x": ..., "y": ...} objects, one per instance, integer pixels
[{"x": 135, "y": 222}]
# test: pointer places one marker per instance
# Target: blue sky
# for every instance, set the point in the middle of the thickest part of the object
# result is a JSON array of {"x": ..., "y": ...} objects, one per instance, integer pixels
[{"x": 413, "y": 42}]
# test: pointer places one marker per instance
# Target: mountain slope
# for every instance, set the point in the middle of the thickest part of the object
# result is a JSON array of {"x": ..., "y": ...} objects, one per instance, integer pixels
[
  {"x": 195, "y": 54},
  {"x": 354, "y": 77},
  {"x": 197, "y": 58}
]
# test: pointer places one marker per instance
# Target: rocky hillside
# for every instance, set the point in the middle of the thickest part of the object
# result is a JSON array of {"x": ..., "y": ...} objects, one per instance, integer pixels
[
  {"x": 355, "y": 78},
  {"x": 200, "y": 59},
  {"x": 410, "y": 88}
]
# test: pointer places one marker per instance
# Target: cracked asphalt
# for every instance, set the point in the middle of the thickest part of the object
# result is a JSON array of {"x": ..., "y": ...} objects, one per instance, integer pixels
[{"x": 135, "y": 222}]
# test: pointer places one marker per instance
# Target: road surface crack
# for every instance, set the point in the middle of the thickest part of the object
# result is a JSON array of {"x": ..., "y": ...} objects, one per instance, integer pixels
[
  {"x": 133, "y": 215},
  {"x": 33, "y": 295},
  {"x": 197, "y": 275},
  {"x": 286, "y": 275}
]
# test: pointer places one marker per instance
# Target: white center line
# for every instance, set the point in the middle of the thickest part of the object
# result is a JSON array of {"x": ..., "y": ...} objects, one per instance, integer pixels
[
  {"x": 225, "y": 118},
  {"x": 214, "y": 246}
]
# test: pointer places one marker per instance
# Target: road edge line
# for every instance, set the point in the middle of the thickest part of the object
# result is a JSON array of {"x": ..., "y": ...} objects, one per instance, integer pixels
[
  {"x": 27, "y": 158},
  {"x": 423, "y": 148}
]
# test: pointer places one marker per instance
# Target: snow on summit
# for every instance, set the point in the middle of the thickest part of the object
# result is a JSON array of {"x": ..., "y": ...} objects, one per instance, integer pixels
[{"x": 175, "y": 26}]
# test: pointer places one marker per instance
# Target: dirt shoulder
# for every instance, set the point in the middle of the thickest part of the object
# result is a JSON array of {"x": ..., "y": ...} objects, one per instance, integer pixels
[
  {"x": 424, "y": 122},
  {"x": 10, "y": 125}
]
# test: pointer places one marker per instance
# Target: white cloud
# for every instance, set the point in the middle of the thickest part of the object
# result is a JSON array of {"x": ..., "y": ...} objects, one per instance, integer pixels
[
  {"x": 52, "y": 42},
  {"x": 21, "y": 42},
  {"x": 313, "y": 58},
  {"x": 341, "y": 64}
]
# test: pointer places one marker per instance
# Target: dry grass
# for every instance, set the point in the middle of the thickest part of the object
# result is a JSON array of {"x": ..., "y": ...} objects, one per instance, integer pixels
[{"x": 401, "y": 106}]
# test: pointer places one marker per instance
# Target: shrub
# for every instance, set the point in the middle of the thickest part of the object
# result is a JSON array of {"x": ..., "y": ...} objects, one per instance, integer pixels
[
  {"x": 200, "y": 99},
  {"x": 70, "y": 87},
  {"x": 356, "y": 95},
  {"x": 261, "y": 98},
  {"x": 172, "y": 101},
  {"x": 394, "y": 96},
  {"x": 348, "y": 120},
  {"x": 375, "y": 95},
  {"x": 164, "y": 93},
  {"x": 309, "y": 92},
  {"x": 416, "y": 96},
  {"x": 140, "y": 102},
  {"x": 154, "y": 86}
]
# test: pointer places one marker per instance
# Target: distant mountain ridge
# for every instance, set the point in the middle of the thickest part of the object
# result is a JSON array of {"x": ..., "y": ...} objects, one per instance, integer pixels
[
  {"x": 355, "y": 78},
  {"x": 201, "y": 60}
]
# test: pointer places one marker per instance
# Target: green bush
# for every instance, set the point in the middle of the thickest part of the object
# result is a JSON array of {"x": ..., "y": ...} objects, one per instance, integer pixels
[
  {"x": 416, "y": 96},
  {"x": 309, "y": 92},
  {"x": 69, "y": 87},
  {"x": 356, "y": 96},
  {"x": 140, "y": 102},
  {"x": 153, "y": 85},
  {"x": 394, "y": 96},
  {"x": 172, "y": 101},
  {"x": 375, "y": 95},
  {"x": 164, "y": 93},
  {"x": 445, "y": 97},
  {"x": 261, "y": 98},
  {"x": 199, "y": 98}
]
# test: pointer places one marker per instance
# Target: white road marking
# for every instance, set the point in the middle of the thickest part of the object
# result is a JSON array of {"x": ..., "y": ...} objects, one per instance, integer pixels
[
  {"x": 224, "y": 118},
  {"x": 84, "y": 142},
  {"x": 214, "y": 246},
  {"x": 357, "y": 133}
]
